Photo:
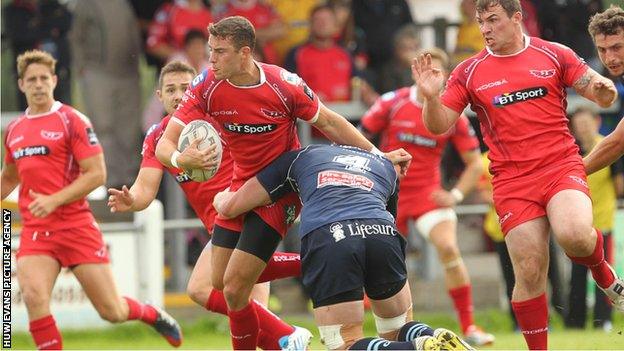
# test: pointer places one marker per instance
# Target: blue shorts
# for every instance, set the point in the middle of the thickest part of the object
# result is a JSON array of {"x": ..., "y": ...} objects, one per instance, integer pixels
[{"x": 353, "y": 254}]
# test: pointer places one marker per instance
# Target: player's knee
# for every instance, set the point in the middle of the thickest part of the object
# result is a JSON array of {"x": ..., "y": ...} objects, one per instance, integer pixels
[
  {"x": 577, "y": 240},
  {"x": 234, "y": 292},
  {"x": 198, "y": 292},
  {"x": 35, "y": 298},
  {"x": 448, "y": 252},
  {"x": 340, "y": 336},
  {"x": 530, "y": 271},
  {"x": 388, "y": 328}
]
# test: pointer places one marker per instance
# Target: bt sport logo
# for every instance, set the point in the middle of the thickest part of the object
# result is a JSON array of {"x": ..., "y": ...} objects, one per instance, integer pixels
[{"x": 519, "y": 96}]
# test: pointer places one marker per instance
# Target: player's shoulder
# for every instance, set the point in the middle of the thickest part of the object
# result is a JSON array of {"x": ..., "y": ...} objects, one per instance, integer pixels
[
  {"x": 395, "y": 95},
  {"x": 274, "y": 73},
  {"x": 551, "y": 48},
  {"x": 465, "y": 67},
  {"x": 73, "y": 115},
  {"x": 21, "y": 118},
  {"x": 205, "y": 79},
  {"x": 157, "y": 128}
]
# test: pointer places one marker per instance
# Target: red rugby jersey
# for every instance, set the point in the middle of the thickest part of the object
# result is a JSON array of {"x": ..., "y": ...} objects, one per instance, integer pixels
[
  {"x": 520, "y": 100},
  {"x": 173, "y": 20},
  {"x": 46, "y": 149},
  {"x": 258, "y": 123}
]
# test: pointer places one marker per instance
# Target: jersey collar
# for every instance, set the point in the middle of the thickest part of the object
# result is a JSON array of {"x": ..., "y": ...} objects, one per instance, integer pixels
[
  {"x": 527, "y": 42},
  {"x": 262, "y": 79},
  {"x": 55, "y": 107},
  {"x": 412, "y": 96}
]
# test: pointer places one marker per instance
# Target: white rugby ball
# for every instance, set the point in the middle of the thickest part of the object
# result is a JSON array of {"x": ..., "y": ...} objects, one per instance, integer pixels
[{"x": 208, "y": 135}]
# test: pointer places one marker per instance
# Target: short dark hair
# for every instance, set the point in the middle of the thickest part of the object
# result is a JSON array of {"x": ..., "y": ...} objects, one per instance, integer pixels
[
  {"x": 607, "y": 22},
  {"x": 588, "y": 109},
  {"x": 510, "y": 6},
  {"x": 238, "y": 29},
  {"x": 177, "y": 67},
  {"x": 321, "y": 7},
  {"x": 193, "y": 34}
]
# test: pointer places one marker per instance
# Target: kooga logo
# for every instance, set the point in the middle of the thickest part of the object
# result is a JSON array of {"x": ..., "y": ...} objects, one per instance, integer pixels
[
  {"x": 520, "y": 96},
  {"x": 249, "y": 128}
]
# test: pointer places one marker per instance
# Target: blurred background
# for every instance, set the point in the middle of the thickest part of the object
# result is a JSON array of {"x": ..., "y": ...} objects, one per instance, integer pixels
[{"x": 349, "y": 51}]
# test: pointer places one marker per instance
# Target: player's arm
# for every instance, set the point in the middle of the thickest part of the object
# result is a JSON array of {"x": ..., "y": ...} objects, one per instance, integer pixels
[
  {"x": 467, "y": 180},
  {"x": 92, "y": 175},
  {"x": 339, "y": 130},
  {"x": 191, "y": 158},
  {"x": 232, "y": 204},
  {"x": 141, "y": 193},
  {"x": 10, "y": 179},
  {"x": 593, "y": 86},
  {"x": 607, "y": 151}
]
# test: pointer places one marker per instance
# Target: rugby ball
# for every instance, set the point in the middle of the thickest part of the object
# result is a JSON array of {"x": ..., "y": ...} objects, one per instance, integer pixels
[{"x": 207, "y": 135}]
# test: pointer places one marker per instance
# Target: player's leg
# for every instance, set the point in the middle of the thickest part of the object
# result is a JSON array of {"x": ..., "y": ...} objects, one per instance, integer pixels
[
  {"x": 527, "y": 243},
  {"x": 570, "y": 215},
  {"x": 97, "y": 281},
  {"x": 36, "y": 275}
]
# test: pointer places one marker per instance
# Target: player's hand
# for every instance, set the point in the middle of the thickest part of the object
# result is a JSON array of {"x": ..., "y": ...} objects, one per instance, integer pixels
[
  {"x": 120, "y": 200},
  {"x": 428, "y": 79},
  {"x": 605, "y": 91},
  {"x": 42, "y": 205},
  {"x": 443, "y": 198},
  {"x": 194, "y": 158},
  {"x": 220, "y": 200},
  {"x": 401, "y": 158}
]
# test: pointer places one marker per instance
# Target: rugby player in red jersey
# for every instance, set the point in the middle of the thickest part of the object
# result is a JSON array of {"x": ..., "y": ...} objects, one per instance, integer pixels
[
  {"x": 175, "y": 77},
  {"x": 55, "y": 157},
  {"x": 397, "y": 118},
  {"x": 255, "y": 107},
  {"x": 516, "y": 85}
]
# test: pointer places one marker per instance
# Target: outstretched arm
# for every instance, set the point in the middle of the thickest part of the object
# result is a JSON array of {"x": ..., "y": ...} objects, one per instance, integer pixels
[
  {"x": 140, "y": 195},
  {"x": 607, "y": 151},
  {"x": 596, "y": 88}
]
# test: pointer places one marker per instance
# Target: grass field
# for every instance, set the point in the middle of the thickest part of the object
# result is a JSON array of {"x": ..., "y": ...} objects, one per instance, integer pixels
[{"x": 211, "y": 332}]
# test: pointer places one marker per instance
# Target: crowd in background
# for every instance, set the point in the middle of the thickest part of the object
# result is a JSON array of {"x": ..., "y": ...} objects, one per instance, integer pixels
[{"x": 344, "y": 49}]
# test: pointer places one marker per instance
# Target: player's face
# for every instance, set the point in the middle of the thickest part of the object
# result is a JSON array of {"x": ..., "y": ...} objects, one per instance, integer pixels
[
  {"x": 174, "y": 86},
  {"x": 498, "y": 30},
  {"x": 323, "y": 24},
  {"x": 38, "y": 84},
  {"x": 585, "y": 127},
  {"x": 226, "y": 60},
  {"x": 611, "y": 52}
]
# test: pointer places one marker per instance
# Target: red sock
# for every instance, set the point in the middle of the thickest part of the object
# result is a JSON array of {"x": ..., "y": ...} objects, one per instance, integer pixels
[
  {"x": 462, "y": 298},
  {"x": 272, "y": 325},
  {"x": 244, "y": 328},
  {"x": 267, "y": 341},
  {"x": 143, "y": 312},
  {"x": 532, "y": 316},
  {"x": 281, "y": 265},
  {"x": 216, "y": 302},
  {"x": 45, "y": 334},
  {"x": 597, "y": 264}
]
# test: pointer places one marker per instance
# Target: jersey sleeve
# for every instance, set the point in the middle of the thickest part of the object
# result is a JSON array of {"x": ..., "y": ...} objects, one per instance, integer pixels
[
  {"x": 572, "y": 65},
  {"x": 306, "y": 105},
  {"x": 377, "y": 117},
  {"x": 149, "y": 148},
  {"x": 84, "y": 142},
  {"x": 275, "y": 177},
  {"x": 194, "y": 104},
  {"x": 157, "y": 32},
  {"x": 455, "y": 95},
  {"x": 464, "y": 138}
]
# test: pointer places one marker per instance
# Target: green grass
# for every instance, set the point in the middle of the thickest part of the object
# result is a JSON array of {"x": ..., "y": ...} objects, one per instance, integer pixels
[{"x": 211, "y": 332}]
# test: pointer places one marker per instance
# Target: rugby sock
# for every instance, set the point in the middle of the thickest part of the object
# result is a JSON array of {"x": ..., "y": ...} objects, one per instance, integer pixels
[
  {"x": 532, "y": 316},
  {"x": 381, "y": 344},
  {"x": 412, "y": 330},
  {"x": 596, "y": 262},
  {"x": 244, "y": 328},
  {"x": 45, "y": 334},
  {"x": 271, "y": 326},
  {"x": 281, "y": 265},
  {"x": 462, "y": 299},
  {"x": 142, "y": 312}
]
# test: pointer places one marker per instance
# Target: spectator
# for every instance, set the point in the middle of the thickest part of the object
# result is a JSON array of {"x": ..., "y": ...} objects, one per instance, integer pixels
[
  {"x": 269, "y": 25},
  {"x": 379, "y": 20},
  {"x": 41, "y": 24},
  {"x": 469, "y": 37},
  {"x": 106, "y": 44},
  {"x": 604, "y": 186},
  {"x": 397, "y": 72},
  {"x": 296, "y": 16},
  {"x": 145, "y": 11},
  {"x": 172, "y": 22}
]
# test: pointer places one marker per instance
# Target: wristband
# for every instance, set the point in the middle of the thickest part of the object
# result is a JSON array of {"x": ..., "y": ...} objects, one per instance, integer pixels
[
  {"x": 457, "y": 195},
  {"x": 376, "y": 151},
  {"x": 174, "y": 158}
]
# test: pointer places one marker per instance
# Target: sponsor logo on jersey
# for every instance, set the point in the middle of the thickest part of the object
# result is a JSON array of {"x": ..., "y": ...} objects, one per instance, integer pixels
[
  {"x": 338, "y": 178},
  {"x": 182, "y": 177},
  {"x": 93, "y": 140},
  {"x": 50, "y": 135},
  {"x": 337, "y": 232},
  {"x": 504, "y": 218},
  {"x": 249, "y": 128},
  {"x": 492, "y": 84},
  {"x": 417, "y": 140},
  {"x": 365, "y": 230},
  {"x": 290, "y": 78},
  {"x": 354, "y": 163},
  {"x": 520, "y": 96},
  {"x": 542, "y": 73},
  {"x": 579, "y": 180},
  {"x": 29, "y": 151},
  {"x": 198, "y": 79},
  {"x": 16, "y": 140},
  {"x": 308, "y": 92},
  {"x": 388, "y": 96},
  {"x": 224, "y": 113},
  {"x": 273, "y": 114}
]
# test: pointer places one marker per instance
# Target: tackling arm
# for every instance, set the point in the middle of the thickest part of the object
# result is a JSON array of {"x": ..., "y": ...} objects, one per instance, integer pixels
[
  {"x": 232, "y": 204},
  {"x": 596, "y": 88},
  {"x": 607, "y": 151}
]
